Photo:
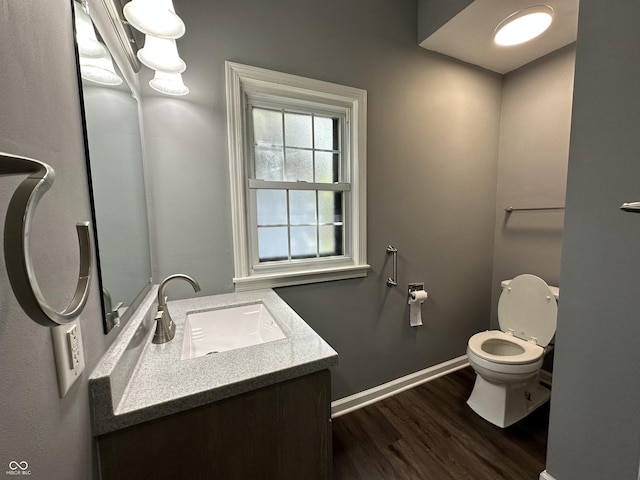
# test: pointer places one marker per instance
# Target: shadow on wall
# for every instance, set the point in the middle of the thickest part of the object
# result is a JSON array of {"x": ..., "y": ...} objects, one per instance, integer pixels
[{"x": 533, "y": 223}]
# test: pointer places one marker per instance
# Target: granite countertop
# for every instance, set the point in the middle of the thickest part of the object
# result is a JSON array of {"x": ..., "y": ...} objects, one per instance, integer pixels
[{"x": 137, "y": 381}]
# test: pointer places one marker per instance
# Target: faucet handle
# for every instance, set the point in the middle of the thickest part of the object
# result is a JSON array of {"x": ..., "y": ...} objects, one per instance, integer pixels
[{"x": 165, "y": 328}]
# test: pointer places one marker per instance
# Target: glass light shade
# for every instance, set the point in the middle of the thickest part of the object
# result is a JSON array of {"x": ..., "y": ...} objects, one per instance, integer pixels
[
  {"x": 169, "y": 83},
  {"x": 88, "y": 44},
  {"x": 523, "y": 25},
  {"x": 161, "y": 54},
  {"x": 99, "y": 70},
  {"x": 154, "y": 17}
]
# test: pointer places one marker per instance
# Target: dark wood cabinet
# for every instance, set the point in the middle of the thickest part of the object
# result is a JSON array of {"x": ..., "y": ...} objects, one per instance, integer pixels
[{"x": 279, "y": 432}]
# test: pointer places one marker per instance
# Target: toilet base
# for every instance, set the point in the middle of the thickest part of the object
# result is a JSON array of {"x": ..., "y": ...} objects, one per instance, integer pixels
[{"x": 503, "y": 404}]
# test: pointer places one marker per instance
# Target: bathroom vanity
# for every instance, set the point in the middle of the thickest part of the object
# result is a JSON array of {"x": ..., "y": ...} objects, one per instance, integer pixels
[{"x": 259, "y": 411}]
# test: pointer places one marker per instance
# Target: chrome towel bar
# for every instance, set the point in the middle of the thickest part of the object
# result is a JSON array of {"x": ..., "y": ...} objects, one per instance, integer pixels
[
  {"x": 513, "y": 209},
  {"x": 633, "y": 207},
  {"x": 17, "y": 227}
]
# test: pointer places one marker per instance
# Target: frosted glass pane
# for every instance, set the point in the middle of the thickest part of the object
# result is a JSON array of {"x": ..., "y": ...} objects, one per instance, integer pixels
[
  {"x": 302, "y": 207},
  {"x": 299, "y": 165},
  {"x": 325, "y": 133},
  {"x": 326, "y": 167},
  {"x": 304, "y": 242},
  {"x": 267, "y": 126},
  {"x": 330, "y": 240},
  {"x": 269, "y": 163},
  {"x": 272, "y": 207},
  {"x": 297, "y": 130},
  {"x": 329, "y": 207},
  {"x": 272, "y": 243}
]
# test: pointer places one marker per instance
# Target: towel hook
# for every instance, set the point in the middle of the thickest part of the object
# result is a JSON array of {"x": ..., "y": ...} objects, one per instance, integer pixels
[{"x": 17, "y": 257}]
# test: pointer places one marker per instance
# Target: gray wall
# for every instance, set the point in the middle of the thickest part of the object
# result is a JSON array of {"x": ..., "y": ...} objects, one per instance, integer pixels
[
  {"x": 40, "y": 118},
  {"x": 432, "y": 159},
  {"x": 532, "y": 169},
  {"x": 594, "y": 431}
]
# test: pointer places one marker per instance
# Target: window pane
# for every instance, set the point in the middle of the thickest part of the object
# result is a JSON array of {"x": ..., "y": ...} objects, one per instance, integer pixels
[
  {"x": 325, "y": 133},
  {"x": 329, "y": 207},
  {"x": 272, "y": 207},
  {"x": 299, "y": 165},
  {"x": 269, "y": 163},
  {"x": 330, "y": 240},
  {"x": 272, "y": 243},
  {"x": 302, "y": 207},
  {"x": 297, "y": 130},
  {"x": 304, "y": 243},
  {"x": 267, "y": 126},
  {"x": 327, "y": 167}
]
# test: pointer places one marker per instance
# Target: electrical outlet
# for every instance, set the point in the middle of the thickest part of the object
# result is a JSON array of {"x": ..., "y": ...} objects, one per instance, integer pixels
[{"x": 67, "y": 347}]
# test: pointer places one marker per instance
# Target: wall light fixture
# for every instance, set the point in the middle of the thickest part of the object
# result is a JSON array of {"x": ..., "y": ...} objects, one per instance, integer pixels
[
  {"x": 157, "y": 19},
  {"x": 154, "y": 17},
  {"x": 169, "y": 83}
]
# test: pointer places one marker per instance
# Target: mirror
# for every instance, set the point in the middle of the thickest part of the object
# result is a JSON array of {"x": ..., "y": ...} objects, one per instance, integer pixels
[{"x": 115, "y": 169}]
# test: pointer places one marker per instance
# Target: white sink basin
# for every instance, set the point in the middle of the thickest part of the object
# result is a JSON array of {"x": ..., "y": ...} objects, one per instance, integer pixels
[{"x": 226, "y": 329}]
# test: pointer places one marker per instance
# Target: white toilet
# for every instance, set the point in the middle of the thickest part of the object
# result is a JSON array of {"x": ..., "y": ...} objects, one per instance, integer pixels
[{"x": 508, "y": 362}]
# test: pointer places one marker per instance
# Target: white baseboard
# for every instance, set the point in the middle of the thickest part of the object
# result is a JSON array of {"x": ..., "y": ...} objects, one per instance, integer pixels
[
  {"x": 545, "y": 476},
  {"x": 375, "y": 394}
]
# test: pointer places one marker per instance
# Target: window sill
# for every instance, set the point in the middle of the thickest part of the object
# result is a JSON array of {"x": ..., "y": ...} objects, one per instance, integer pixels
[{"x": 300, "y": 277}]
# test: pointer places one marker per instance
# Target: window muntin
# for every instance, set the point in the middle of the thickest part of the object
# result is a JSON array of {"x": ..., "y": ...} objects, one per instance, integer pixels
[
  {"x": 295, "y": 156},
  {"x": 289, "y": 145}
]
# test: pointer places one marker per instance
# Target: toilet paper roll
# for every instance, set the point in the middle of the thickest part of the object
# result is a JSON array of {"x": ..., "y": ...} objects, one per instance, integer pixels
[
  {"x": 416, "y": 300},
  {"x": 418, "y": 296}
]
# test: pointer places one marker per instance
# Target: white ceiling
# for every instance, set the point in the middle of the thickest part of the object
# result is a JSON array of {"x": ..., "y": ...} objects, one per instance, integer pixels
[{"x": 469, "y": 35}]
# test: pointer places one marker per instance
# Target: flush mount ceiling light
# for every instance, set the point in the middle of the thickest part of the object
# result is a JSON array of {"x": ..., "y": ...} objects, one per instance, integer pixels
[
  {"x": 154, "y": 17},
  {"x": 169, "y": 83},
  {"x": 523, "y": 25}
]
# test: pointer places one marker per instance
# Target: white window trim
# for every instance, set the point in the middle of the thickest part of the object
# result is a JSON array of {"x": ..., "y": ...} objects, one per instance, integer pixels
[{"x": 243, "y": 78}]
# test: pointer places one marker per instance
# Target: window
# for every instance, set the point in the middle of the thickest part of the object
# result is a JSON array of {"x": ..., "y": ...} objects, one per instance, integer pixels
[{"x": 297, "y": 165}]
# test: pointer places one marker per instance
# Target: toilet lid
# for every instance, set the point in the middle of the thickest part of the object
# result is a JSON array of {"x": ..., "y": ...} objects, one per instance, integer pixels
[{"x": 528, "y": 307}]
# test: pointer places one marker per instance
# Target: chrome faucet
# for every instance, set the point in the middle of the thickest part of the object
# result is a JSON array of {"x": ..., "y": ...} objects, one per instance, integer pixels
[{"x": 165, "y": 328}]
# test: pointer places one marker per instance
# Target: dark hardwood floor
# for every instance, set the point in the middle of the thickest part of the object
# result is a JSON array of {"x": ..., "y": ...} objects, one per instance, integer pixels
[{"x": 430, "y": 433}]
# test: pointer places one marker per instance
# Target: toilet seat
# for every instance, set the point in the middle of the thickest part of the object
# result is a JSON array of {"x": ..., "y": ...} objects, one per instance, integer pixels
[
  {"x": 528, "y": 352},
  {"x": 528, "y": 309}
]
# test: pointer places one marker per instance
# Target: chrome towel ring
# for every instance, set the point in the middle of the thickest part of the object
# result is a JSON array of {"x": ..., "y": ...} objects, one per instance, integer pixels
[{"x": 17, "y": 227}]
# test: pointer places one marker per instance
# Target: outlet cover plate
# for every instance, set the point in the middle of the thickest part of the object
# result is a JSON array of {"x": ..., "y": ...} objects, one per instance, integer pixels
[{"x": 67, "y": 347}]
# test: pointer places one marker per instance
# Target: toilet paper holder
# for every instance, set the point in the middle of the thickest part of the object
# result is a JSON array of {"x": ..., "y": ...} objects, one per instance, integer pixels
[{"x": 414, "y": 287}]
